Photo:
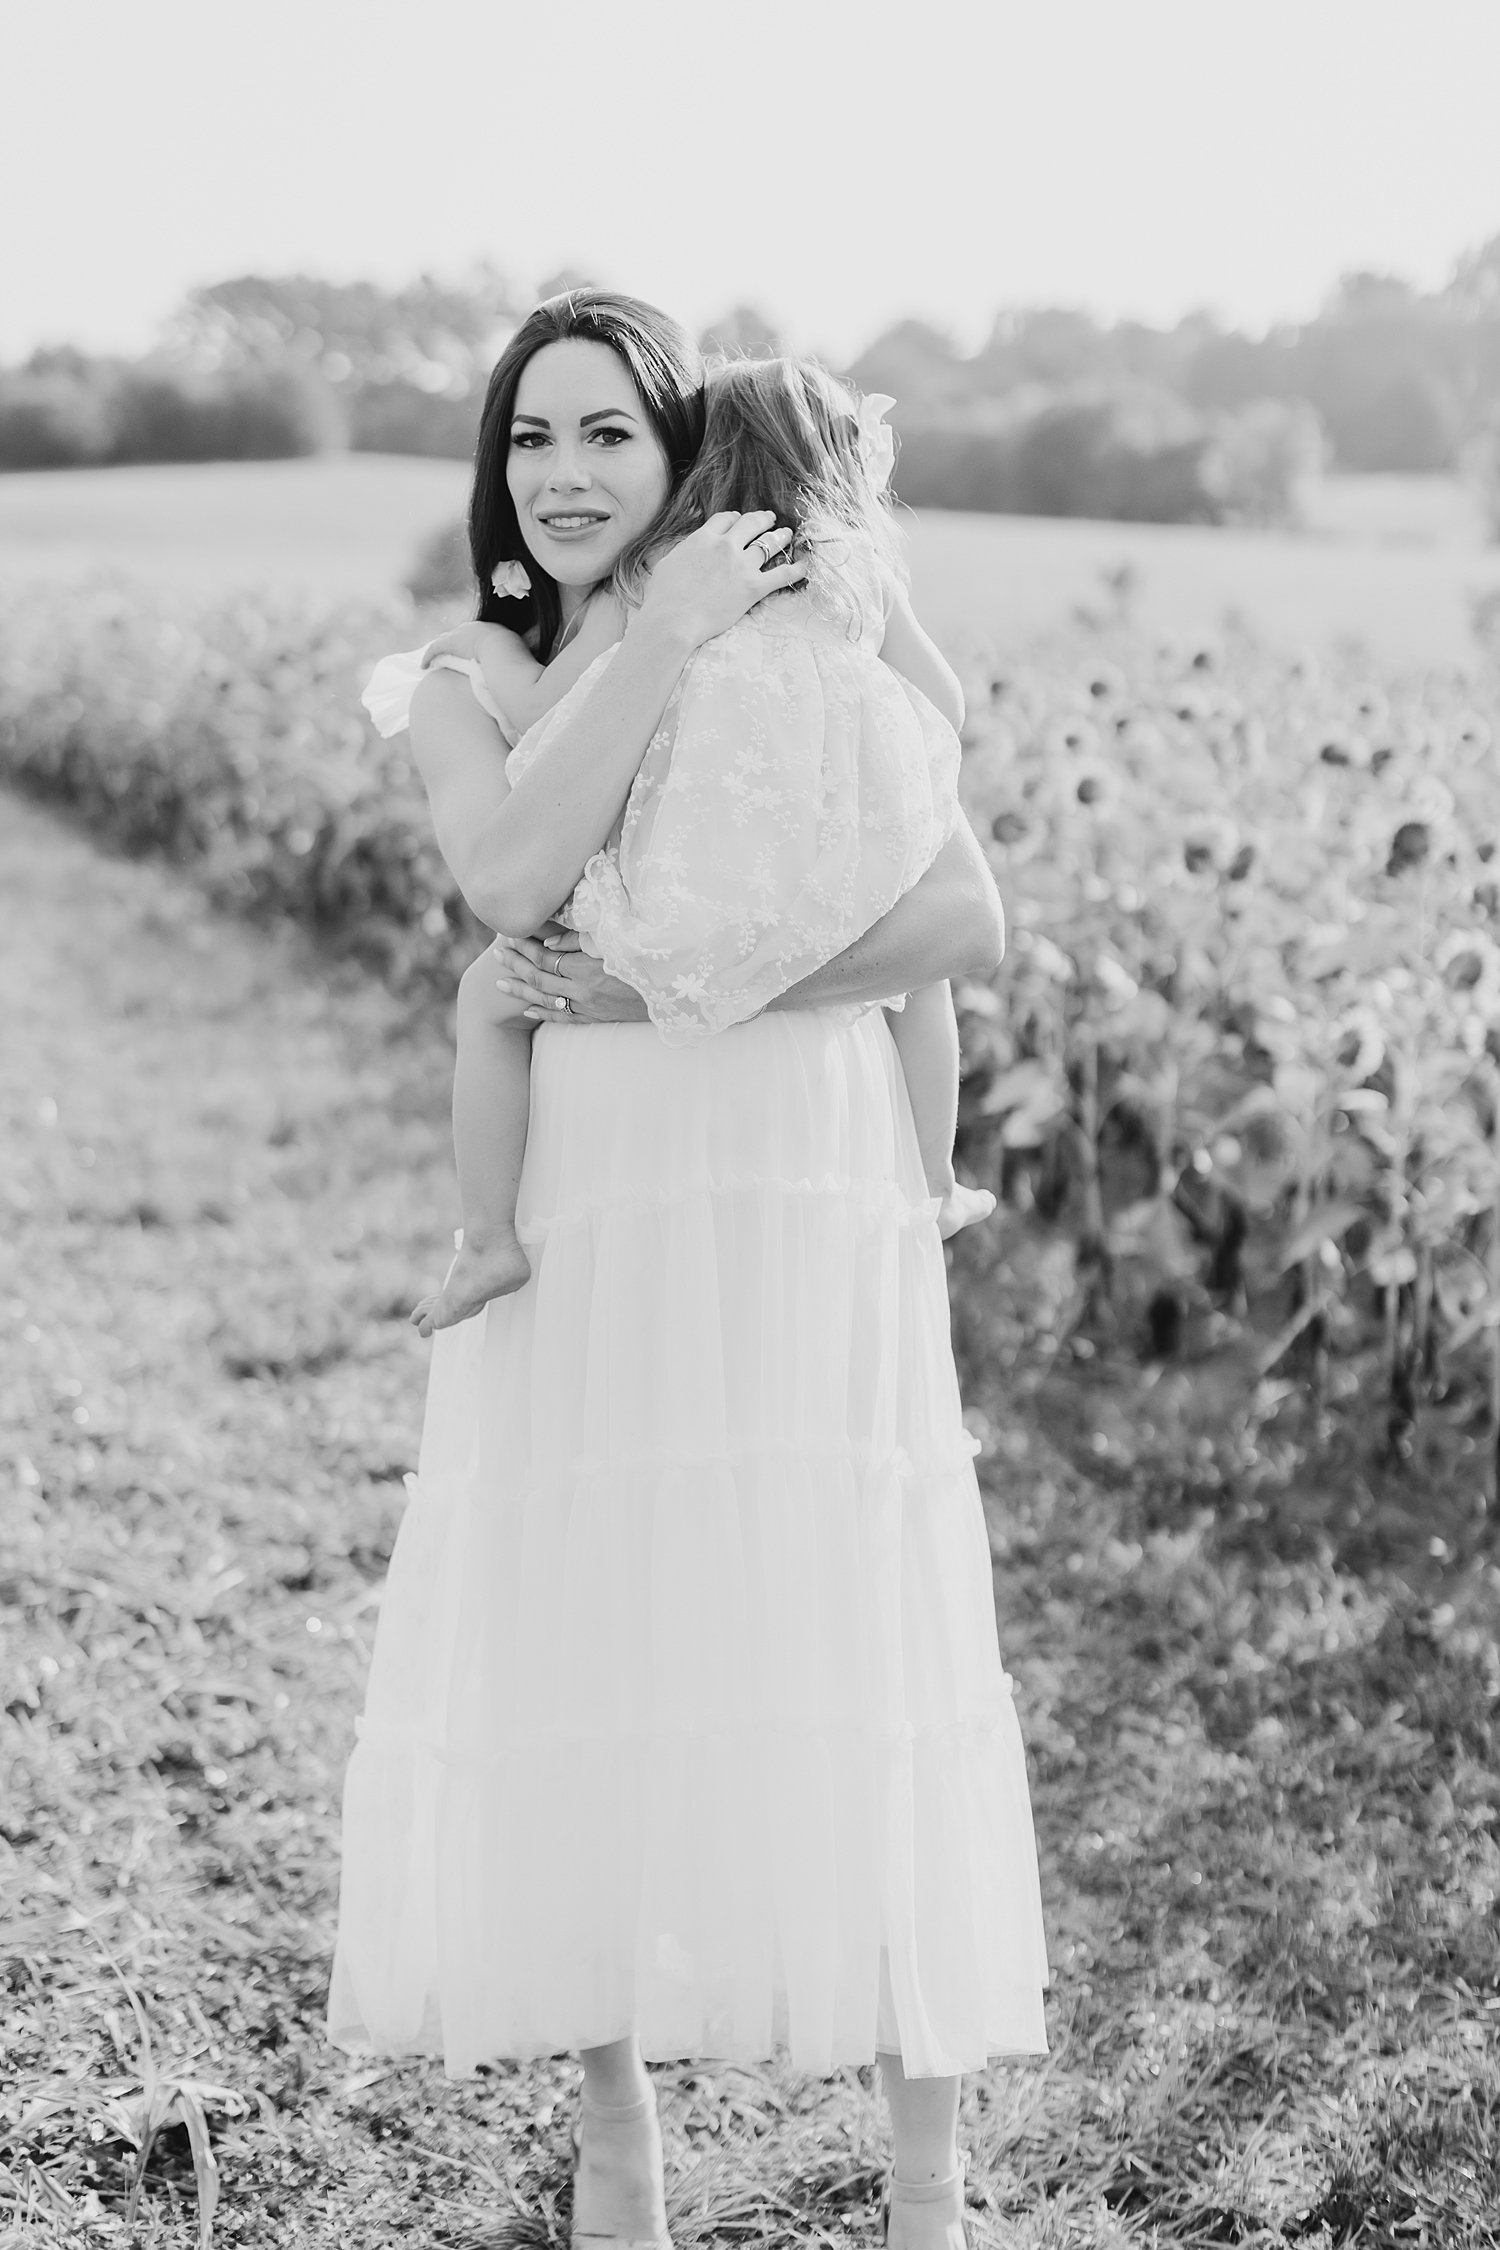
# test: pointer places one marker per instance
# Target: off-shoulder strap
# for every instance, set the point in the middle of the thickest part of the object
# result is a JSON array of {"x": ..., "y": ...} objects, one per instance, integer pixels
[{"x": 393, "y": 683}]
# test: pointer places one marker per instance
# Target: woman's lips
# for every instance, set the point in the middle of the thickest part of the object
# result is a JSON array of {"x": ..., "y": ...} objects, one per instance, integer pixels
[{"x": 571, "y": 524}]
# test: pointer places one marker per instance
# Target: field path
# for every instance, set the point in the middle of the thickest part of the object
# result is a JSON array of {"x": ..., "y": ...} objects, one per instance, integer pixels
[{"x": 225, "y": 1174}]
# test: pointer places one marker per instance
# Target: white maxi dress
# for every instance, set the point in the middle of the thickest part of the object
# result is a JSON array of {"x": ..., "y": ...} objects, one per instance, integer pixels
[{"x": 686, "y": 1715}]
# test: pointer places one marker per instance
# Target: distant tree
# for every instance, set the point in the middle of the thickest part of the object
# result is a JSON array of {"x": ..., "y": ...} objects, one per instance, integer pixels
[
  {"x": 1413, "y": 425},
  {"x": 1383, "y": 366},
  {"x": 1363, "y": 295},
  {"x": 54, "y": 417},
  {"x": 66, "y": 410},
  {"x": 743, "y": 332},
  {"x": 1126, "y": 452},
  {"x": 915, "y": 363},
  {"x": 441, "y": 337},
  {"x": 959, "y": 462},
  {"x": 382, "y": 351},
  {"x": 1132, "y": 455},
  {"x": 267, "y": 413},
  {"x": 1260, "y": 460},
  {"x": 1226, "y": 369},
  {"x": 1044, "y": 344},
  {"x": 1474, "y": 288}
]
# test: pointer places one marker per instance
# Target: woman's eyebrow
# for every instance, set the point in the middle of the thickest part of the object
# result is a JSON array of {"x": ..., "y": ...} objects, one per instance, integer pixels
[{"x": 600, "y": 414}]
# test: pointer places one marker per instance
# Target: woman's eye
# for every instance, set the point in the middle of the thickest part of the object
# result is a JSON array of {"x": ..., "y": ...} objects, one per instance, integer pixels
[
  {"x": 618, "y": 436},
  {"x": 528, "y": 440}
]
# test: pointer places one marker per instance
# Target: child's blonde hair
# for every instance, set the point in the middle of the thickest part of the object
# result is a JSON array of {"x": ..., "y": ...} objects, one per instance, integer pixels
[{"x": 784, "y": 434}]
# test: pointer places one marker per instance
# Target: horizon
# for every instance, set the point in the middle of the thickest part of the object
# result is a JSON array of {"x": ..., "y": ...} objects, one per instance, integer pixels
[{"x": 1149, "y": 168}]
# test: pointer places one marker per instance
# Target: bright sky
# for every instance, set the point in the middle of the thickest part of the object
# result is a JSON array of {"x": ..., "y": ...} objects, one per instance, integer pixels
[{"x": 837, "y": 164}]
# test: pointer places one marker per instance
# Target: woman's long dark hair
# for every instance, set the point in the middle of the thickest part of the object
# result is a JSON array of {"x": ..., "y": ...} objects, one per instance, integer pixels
[{"x": 663, "y": 363}]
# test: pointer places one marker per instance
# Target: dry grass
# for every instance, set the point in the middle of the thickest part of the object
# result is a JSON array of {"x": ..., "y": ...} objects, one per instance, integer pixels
[{"x": 1267, "y": 1788}]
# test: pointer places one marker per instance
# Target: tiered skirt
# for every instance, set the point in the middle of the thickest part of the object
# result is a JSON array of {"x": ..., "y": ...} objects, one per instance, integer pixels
[{"x": 686, "y": 1715}]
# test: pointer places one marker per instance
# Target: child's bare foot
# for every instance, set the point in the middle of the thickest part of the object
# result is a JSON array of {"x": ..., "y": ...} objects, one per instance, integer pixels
[
  {"x": 963, "y": 1207},
  {"x": 496, "y": 1267}
]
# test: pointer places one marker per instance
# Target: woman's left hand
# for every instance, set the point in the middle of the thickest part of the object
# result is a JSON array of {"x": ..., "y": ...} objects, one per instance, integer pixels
[{"x": 547, "y": 976}]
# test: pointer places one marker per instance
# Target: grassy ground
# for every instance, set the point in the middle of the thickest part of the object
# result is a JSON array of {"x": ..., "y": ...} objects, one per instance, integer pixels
[
  {"x": 1266, "y": 1788},
  {"x": 1389, "y": 560}
]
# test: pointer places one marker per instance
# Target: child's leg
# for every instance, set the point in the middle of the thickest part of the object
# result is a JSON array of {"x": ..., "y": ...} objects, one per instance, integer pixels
[
  {"x": 924, "y": 2137},
  {"x": 926, "y": 1036},
  {"x": 491, "y": 1104}
]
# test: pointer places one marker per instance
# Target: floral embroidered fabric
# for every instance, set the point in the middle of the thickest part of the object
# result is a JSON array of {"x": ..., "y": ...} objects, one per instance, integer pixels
[{"x": 795, "y": 790}]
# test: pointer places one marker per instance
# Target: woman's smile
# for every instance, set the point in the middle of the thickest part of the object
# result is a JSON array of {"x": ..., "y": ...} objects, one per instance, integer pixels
[{"x": 567, "y": 524}]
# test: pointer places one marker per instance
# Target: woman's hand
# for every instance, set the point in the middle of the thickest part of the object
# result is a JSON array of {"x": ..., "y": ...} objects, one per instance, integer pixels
[
  {"x": 709, "y": 581},
  {"x": 546, "y": 976}
]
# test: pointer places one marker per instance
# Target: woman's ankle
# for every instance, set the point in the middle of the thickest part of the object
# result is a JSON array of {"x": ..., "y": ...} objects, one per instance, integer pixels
[
  {"x": 614, "y": 2077},
  {"x": 924, "y": 2124}
]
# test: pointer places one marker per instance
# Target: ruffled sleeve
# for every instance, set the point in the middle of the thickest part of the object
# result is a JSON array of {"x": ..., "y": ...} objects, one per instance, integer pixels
[
  {"x": 795, "y": 790},
  {"x": 393, "y": 683}
]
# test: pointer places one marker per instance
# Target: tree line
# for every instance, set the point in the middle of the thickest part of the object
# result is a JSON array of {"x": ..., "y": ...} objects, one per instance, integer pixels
[{"x": 1058, "y": 413}]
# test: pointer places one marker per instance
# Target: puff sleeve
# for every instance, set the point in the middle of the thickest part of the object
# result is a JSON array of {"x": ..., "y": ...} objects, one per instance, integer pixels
[{"x": 393, "y": 683}]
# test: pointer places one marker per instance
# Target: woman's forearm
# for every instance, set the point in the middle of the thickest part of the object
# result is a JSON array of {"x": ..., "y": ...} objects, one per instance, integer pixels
[
  {"x": 950, "y": 924},
  {"x": 529, "y": 851}
]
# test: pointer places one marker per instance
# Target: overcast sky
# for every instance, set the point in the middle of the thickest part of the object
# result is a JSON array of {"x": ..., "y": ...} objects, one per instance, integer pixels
[{"x": 838, "y": 165}]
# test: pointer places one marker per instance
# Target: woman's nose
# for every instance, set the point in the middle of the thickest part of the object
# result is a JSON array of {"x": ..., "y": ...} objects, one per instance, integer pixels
[{"x": 570, "y": 471}]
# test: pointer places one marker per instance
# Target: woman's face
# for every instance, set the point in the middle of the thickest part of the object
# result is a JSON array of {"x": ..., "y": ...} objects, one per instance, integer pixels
[{"x": 585, "y": 468}]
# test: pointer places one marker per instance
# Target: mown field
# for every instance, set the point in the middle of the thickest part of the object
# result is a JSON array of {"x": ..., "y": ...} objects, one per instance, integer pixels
[
  {"x": 1232, "y": 1351},
  {"x": 1392, "y": 561},
  {"x": 1265, "y": 1784}
]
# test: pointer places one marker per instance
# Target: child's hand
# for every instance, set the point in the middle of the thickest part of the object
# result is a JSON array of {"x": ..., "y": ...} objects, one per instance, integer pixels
[{"x": 466, "y": 640}]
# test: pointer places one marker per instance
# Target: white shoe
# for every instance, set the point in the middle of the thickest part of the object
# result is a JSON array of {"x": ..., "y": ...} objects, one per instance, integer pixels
[
  {"x": 631, "y": 2113},
  {"x": 901, "y": 2193}
]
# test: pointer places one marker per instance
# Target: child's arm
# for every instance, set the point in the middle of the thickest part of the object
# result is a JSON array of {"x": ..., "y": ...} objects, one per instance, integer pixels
[
  {"x": 926, "y": 1035},
  {"x": 524, "y": 689},
  {"x": 916, "y": 656}
]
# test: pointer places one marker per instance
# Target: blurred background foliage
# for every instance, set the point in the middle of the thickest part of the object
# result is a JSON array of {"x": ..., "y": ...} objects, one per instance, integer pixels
[
  {"x": 1058, "y": 413},
  {"x": 1237, "y": 1082}
]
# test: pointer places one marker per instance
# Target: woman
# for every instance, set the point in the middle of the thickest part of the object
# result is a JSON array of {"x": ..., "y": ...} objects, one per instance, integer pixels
[{"x": 686, "y": 1731}]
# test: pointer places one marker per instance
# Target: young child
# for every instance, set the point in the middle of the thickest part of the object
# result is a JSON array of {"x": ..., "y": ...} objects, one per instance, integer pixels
[{"x": 797, "y": 787}]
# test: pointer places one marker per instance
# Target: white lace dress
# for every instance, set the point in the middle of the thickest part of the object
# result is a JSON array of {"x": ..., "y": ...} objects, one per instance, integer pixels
[{"x": 686, "y": 1714}]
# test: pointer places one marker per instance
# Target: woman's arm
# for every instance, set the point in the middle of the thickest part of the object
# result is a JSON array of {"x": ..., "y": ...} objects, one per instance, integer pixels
[
  {"x": 949, "y": 924},
  {"x": 518, "y": 861}
]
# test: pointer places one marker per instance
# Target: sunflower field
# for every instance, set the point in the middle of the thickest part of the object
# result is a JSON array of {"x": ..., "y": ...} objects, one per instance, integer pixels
[{"x": 1237, "y": 1081}]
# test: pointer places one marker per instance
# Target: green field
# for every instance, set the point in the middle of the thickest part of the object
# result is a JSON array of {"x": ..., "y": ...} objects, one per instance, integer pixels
[{"x": 1392, "y": 561}]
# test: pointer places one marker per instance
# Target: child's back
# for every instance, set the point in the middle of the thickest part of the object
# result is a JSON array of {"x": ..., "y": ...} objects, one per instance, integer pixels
[{"x": 796, "y": 788}]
